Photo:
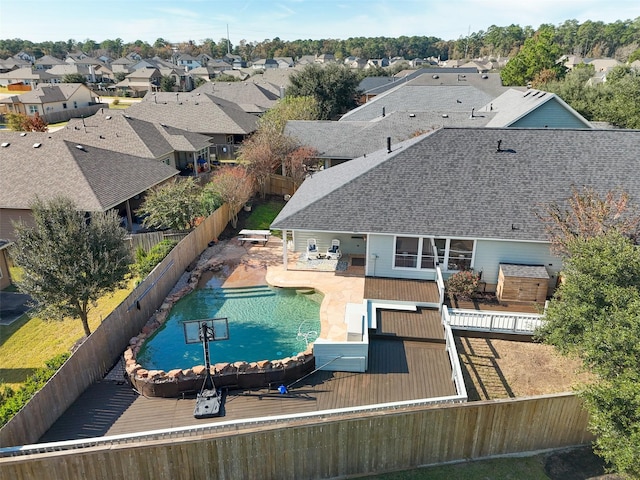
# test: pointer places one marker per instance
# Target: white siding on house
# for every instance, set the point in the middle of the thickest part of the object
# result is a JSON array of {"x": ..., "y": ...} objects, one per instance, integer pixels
[
  {"x": 348, "y": 244},
  {"x": 490, "y": 254},
  {"x": 380, "y": 261}
]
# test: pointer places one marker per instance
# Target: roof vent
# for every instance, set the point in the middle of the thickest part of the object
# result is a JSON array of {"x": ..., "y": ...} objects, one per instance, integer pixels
[
  {"x": 80, "y": 147},
  {"x": 126, "y": 116},
  {"x": 23, "y": 134},
  {"x": 4, "y": 144},
  {"x": 436, "y": 76},
  {"x": 444, "y": 115},
  {"x": 36, "y": 145},
  {"x": 108, "y": 117},
  {"x": 484, "y": 76},
  {"x": 499, "y": 146},
  {"x": 412, "y": 115}
]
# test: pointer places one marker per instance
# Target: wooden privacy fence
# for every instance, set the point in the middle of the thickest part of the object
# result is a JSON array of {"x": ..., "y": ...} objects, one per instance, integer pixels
[
  {"x": 328, "y": 447},
  {"x": 148, "y": 239},
  {"x": 100, "y": 351},
  {"x": 279, "y": 185}
]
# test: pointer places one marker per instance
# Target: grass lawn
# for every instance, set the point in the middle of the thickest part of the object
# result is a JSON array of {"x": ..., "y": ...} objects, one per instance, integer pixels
[
  {"x": 28, "y": 343},
  {"x": 262, "y": 214},
  {"x": 521, "y": 468}
]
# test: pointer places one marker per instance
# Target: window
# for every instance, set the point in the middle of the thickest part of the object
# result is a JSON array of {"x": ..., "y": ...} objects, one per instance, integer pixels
[
  {"x": 33, "y": 109},
  {"x": 75, "y": 104},
  {"x": 64, "y": 105},
  {"x": 460, "y": 254},
  {"x": 428, "y": 259},
  {"x": 441, "y": 246},
  {"x": 406, "y": 252}
]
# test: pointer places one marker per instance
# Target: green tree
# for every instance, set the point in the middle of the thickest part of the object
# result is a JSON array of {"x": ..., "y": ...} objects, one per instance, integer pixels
[
  {"x": 595, "y": 316},
  {"x": 234, "y": 185},
  {"x": 167, "y": 83},
  {"x": 289, "y": 108},
  {"x": 74, "y": 78},
  {"x": 538, "y": 53},
  {"x": 69, "y": 259},
  {"x": 176, "y": 205},
  {"x": 120, "y": 76},
  {"x": 620, "y": 100},
  {"x": 334, "y": 87}
]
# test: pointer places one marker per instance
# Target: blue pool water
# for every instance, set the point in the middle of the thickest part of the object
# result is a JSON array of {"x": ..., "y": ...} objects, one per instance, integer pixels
[{"x": 264, "y": 324}]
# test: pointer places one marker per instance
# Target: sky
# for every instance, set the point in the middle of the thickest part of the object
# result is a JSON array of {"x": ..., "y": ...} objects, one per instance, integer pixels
[{"x": 257, "y": 20}]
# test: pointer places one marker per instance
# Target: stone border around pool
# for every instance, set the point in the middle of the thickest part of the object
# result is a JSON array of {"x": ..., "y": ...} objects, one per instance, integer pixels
[{"x": 179, "y": 382}]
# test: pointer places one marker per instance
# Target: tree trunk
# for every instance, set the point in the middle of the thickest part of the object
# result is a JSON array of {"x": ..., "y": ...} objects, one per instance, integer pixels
[{"x": 85, "y": 323}]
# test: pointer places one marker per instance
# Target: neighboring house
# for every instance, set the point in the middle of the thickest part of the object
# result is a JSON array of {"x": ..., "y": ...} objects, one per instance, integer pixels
[
  {"x": 284, "y": 62},
  {"x": 224, "y": 122},
  {"x": 140, "y": 81},
  {"x": 58, "y": 72},
  {"x": 443, "y": 92},
  {"x": 338, "y": 142},
  {"x": 206, "y": 73},
  {"x": 264, "y": 64},
  {"x": 478, "y": 66},
  {"x": 377, "y": 63},
  {"x": 187, "y": 62},
  {"x": 41, "y": 165},
  {"x": 325, "y": 58},
  {"x": 235, "y": 60},
  {"x": 346, "y": 139},
  {"x": 252, "y": 97},
  {"x": 532, "y": 109},
  {"x": 55, "y": 103},
  {"x": 25, "y": 76},
  {"x": 122, "y": 64},
  {"x": 356, "y": 63},
  {"x": 46, "y": 62},
  {"x": 116, "y": 130},
  {"x": 603, "y": 64},
  {"x": 458, "y": 198}
]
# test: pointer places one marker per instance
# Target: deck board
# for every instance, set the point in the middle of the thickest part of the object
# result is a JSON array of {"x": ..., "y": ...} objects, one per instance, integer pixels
[
  {"x": 426, "y": 324},
  {"x": 417, "y": 291},
  {"x": 398, "y": 370}
]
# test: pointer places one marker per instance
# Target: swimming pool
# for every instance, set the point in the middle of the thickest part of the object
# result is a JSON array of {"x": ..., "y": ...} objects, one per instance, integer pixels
[{"x": 264, "y": 324}]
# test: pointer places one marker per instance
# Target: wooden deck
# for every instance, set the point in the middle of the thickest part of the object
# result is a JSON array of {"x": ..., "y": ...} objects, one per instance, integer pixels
[
  {"x": 425, "y": 324},
  {"x": 398, "y": 370},
  {"x": 418, "y": 291}
]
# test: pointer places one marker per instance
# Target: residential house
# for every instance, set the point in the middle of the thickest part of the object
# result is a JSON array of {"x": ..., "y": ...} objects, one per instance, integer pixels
[
  {"x": 377, "y": 63},
  {"x": 603, "y": 64},
  {"x": 204, "y": 59},
  {"x": 304, "y": 60},
  {"x": 264, "y": 64},
  {"x": 25, "y": 76},
  {"x": 443, "y": 92},
  {"x": 284, "y": 62},
  {"x": 58, "y": 72},
  {"x": 55, "y": 103},
  {"x": 458, "y": 198},
  {"x": 187, "y": 62},
  {"x": 42, "y": 165},
  {"x": 224, "y": 122},
  {"x": 325, "y": 58},
  {"x": 480, "y": 67},
  {"x": 46, "y": 62},
  {"x": 140, "y": 81},
  {"x": 355, "y": 62},
  {"x": 116, "y": 130},
  {"x": 12, "y": 63},
  {"x": 532, "y": 109},
  {"x": 252, "y": 97},
  {"x": 350, "y": 138},
  {"x": 235, "y": 60},
  {"x": 122, "y": 64}
]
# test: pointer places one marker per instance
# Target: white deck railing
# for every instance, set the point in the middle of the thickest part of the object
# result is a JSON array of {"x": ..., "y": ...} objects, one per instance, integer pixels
[{"x": 492, "y": 321}]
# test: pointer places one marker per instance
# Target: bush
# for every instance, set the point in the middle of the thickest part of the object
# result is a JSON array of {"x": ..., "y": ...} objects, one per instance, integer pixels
[
  {"x": 116, "y": 101},
  {"x": 11, "y": 402},
  {"x": 463, "y": 284},
  {"x": 147, "y": 261}
]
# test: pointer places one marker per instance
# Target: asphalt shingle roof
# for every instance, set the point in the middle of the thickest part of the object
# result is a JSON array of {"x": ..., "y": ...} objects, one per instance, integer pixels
[
  {"x": 116, "y": 130},
  {"x": 94, "y": 178},
  {"x": 455, "y": 182},
  {"x": 203, "y": 114}
]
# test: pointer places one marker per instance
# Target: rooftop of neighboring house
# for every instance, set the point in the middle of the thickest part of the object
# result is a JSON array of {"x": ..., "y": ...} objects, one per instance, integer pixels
[
  {"x": 49, "y": 60},
  {"x": 45, "y": 93},
  {"x": 118, "y": 131},
  {"x": 27, "y": 73},
  {"x": 204, "y": 114},
  {"x": 252, "y": 97},
  {"x": 44, "y": 165},
  {"x": 347, "y": 140},
  {"x": 513, "y": 105},
  {"x": 445, "y": 93},
  {"x": 465, "y": 182},
  {"x": 68, "y": 69}
]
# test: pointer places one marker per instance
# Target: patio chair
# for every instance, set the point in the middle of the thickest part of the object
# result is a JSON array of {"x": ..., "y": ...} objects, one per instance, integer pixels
[
  {"x": 312, "y": 249},
  {"x": 334, "y": 250}
]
